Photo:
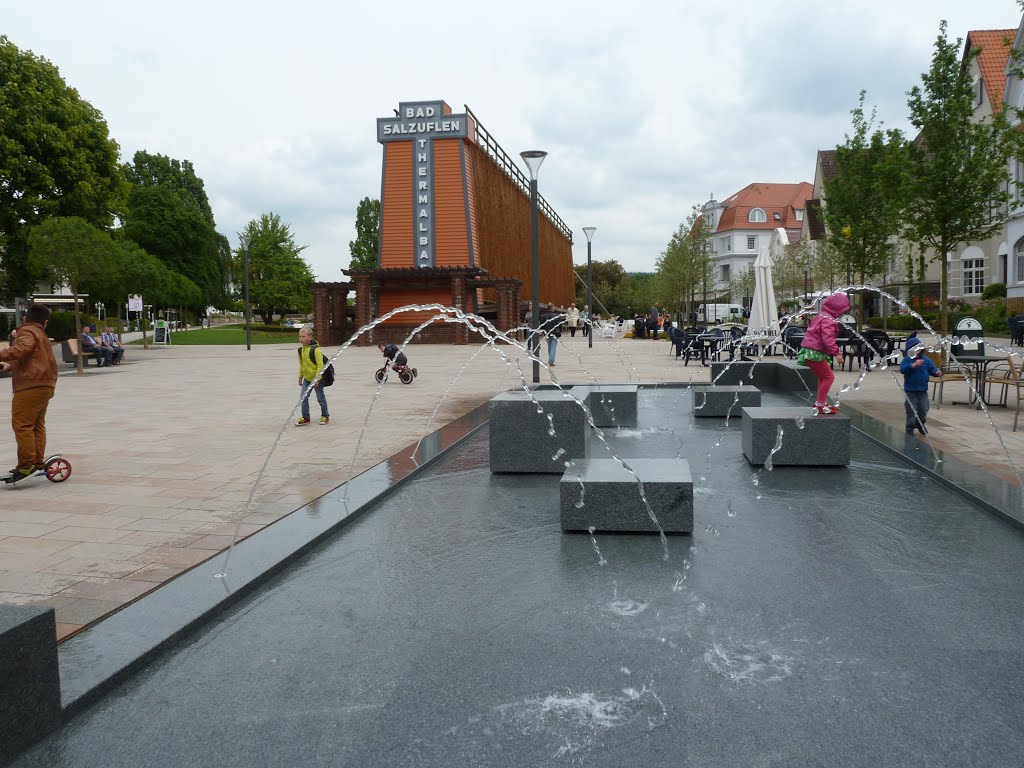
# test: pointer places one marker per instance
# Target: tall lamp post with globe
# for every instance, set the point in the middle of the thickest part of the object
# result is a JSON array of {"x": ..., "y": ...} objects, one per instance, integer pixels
[{"x": 533, "y": 159}]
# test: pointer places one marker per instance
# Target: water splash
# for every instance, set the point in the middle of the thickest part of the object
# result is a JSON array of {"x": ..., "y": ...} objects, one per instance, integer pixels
[
  {"x": 593, "y": 540},
  {"x": 768, "y": 462}
]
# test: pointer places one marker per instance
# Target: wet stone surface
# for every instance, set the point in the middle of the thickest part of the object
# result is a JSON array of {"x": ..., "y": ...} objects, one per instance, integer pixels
[
  {"x": 725, "y": 400},
  {"x": 793, "y": 436},
  {"x": 861, "y": 616},
  {"x": 525, "y": 441}
]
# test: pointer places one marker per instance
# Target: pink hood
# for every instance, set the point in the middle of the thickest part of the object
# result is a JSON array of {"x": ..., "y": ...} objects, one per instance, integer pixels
[{"x": 822, "y": 332}]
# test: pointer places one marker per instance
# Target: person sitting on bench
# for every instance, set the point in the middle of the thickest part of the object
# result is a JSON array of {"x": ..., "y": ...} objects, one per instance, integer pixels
[
  {"x": 109, "y": 339},
  {"x": 104, "y": 355}
]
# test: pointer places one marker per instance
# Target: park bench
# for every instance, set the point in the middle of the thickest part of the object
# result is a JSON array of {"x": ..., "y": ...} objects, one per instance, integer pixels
[{"x": 69, "y": 352}]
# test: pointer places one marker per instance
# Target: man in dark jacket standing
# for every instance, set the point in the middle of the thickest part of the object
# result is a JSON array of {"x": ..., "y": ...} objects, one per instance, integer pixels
[
  {"x": 33, "y": 377},
  {"x": 551, "y": 325},
  {"x": 654, "y": 322}
]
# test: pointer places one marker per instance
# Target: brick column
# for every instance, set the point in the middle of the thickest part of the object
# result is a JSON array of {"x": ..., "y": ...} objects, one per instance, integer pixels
[
  {"x": 339, "y": 308},
  {"x": 459, "y": 302},
  {"x": 321, "y": 311},
  {"x": 363, "y": 308}
]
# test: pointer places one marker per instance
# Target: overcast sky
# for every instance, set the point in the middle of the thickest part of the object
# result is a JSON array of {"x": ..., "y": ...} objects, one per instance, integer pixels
[{"x": 645, "y": 108}]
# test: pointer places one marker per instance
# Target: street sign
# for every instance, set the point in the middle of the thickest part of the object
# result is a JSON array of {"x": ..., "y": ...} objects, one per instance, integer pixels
[{"x": 134, "y": 303}]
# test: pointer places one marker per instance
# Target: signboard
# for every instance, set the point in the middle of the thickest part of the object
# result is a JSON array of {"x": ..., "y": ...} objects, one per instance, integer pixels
[
  {"x": 134, "y": 303},
  {"x": 161, "y": 333},
  {"x": 421, "y": 122}
]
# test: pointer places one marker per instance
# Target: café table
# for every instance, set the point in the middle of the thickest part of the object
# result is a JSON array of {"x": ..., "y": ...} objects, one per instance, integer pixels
[{"x": 979, "y": 365}]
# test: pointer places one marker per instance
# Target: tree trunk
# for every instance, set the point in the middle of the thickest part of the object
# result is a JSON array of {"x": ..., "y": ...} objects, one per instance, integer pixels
[
  {"x": 79, "y": 359},
  {"x": 943, "y": 293}
]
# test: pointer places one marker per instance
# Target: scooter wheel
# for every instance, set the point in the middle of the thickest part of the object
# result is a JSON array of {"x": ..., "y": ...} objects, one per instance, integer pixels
[
  {"x": 58, "y": 470},
  {"x": 405, "y": 377},
  {"x": 381, "y": 375}
]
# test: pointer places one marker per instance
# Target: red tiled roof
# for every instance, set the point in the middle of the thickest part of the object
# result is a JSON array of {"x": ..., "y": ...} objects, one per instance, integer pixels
[
  {"x": 995, "y": 45},
  {"x": 783, "y": 199}
]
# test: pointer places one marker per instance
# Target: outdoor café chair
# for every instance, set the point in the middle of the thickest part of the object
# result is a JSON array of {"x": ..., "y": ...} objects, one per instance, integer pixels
[
  {"x": 1008, "y": 376},
  {"x": 948, "y": 375}
]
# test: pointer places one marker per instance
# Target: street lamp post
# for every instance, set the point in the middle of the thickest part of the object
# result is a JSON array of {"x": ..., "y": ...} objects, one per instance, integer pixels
[
  {"x": 533, "y": 159},
  {"x": 589, "y": 232},
  {"x": 100, "y": 306},
  {"x": 245, "y": 260}
]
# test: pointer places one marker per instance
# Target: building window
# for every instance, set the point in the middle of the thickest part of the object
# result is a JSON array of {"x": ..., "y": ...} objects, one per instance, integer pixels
[
  {"x": 727, "y": 244},
  {"x": 751, "y": 242},
  {"x": 725, "y": 272},
  {"x": 777, "y": 216},
  {"x": 799, "y": 214},
  {"x": 979, "y": 90},
  {"x": 757, "y": 216},
  {"x": 1018, "y": 260},
  {"x": 974, "y": 276}
]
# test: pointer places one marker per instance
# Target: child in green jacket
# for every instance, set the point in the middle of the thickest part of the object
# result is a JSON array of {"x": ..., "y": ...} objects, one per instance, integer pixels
[{"x": 311, "y": 362}]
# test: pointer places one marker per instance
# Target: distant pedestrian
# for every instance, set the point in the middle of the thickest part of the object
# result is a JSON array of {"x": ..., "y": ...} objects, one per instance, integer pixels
[
  {"x": 551, "y": 325},
  {"x": 916, "y": 370},
  {"x": 311, "y": 363},
  {"x": 653, "y": 324},
  {"x": 585, "y": 319},
  {"x": 572, "y": 319}
]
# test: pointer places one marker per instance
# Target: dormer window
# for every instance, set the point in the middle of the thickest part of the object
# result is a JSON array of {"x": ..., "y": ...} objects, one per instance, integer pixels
[
  {"x": 799, "y": 214},
  {"x": 757, "y": 216},
  {"x": 777, "y": 216}
]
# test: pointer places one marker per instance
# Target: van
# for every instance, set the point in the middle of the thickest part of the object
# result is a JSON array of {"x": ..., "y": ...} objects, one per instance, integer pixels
[{"x": 720, "y": 313}]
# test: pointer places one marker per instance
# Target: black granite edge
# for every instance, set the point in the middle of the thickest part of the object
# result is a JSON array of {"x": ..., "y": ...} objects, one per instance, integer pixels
[
  {"x": 103, "y": 656},
  {"x": 994, "y": 495}
]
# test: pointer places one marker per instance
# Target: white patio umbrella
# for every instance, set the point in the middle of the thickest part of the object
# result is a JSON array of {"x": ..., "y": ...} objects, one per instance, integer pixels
[{"x": 764, "y": 312}]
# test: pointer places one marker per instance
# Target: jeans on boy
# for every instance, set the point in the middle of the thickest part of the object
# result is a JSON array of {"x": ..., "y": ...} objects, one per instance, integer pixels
[
  {"x": 552, "y": 346},
  {"x": 321, "y": 398},
  {"x": 916, "y": 406}
]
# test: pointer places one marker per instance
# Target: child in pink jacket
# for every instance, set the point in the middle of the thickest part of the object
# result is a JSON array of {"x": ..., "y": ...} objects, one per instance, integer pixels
[{"x": 819, "y": 347}]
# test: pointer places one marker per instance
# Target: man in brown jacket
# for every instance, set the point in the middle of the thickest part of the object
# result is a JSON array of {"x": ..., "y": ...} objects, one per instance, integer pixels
[{"x": 34, "y": 376}]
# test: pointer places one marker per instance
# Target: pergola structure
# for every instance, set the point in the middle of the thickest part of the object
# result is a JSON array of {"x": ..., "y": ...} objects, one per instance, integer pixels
[
  {"x": 423, "y": 285},
  {"x": 331, "y": 324}
]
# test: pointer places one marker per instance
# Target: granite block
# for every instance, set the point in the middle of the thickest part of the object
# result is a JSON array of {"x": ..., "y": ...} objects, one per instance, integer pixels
[
  {"x": 824, "y": 441},
  {"x": 612, "y": 498},
  {"x": 520, "y": 438},
  {"x": 790, "y": 376},
  {"x": 725, "y": 400},
  {"x": 611, "y": 405},
  {"x": 29, "y": 678},
  {"x": 736, "y": 371}
]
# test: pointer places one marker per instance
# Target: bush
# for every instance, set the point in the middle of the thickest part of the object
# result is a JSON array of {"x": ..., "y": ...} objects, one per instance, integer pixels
[
  {"x": 992, "y": 316},
  {"x": 62, "y": 325},
  {"x": 895, "y": 322},
  {"x": 994, "y": 291}
]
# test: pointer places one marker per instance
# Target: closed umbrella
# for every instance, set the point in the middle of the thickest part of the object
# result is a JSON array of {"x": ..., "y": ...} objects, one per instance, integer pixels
[{"x": 764, "y": 312}]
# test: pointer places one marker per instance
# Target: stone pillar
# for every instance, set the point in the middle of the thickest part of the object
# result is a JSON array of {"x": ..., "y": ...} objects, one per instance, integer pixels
[
  {"x": 363, "y": 308},
  {"x": 339, "y": 312},
  {"x": 321, "y": 311},
  {"x": 459, "y": 302},
  {"x": 506, "y": 315}
]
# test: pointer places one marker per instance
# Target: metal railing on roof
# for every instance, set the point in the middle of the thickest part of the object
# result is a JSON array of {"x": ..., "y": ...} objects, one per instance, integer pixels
[{"x": 490, "y": 145}]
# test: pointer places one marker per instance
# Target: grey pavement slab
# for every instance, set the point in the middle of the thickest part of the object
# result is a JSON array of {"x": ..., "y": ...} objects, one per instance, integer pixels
[{"x": 864, "y": 616}]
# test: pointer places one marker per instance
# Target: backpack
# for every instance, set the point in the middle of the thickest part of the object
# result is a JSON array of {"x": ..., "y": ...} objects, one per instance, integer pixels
[{"x": 327, "y": 377}]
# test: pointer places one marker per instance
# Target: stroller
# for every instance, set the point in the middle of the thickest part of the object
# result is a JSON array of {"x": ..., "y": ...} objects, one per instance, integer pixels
[{"x": 405, "y": 373}]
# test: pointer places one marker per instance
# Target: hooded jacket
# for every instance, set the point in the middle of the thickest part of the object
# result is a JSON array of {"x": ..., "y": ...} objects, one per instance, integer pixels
[
  {"x": 308, "y": 369},
  {"x": 821, "y": 333},
  {"x": 33, "y": 362},
  {"x": 916, "y": 379}
]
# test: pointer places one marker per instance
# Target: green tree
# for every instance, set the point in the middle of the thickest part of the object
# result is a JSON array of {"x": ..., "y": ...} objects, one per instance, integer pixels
[
  {"x": 611, "y": 287},
  {"x": 365, "y": 247},
  {"x": 169, "y": 215},
  {"x": 685, "y": 266},
  {"x": 56, "y": 157},
  {"x": 279, "y": 278},
  {"x": 865, "y": 199},
  {"x": 958, "y": 185},
  {"x": 70, "y": 251}
]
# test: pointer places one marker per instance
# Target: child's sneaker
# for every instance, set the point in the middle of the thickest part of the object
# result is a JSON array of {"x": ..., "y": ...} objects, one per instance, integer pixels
[
  {"x": 816, "y": 408},
  {"x": 325, "y": 420},
  {"x": 828, "y": 410},
  {"x": 301, "y": 422}
]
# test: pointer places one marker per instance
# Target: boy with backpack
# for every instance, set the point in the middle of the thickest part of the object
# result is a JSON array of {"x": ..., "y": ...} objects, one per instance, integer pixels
[{"x": 311, "y": 362}]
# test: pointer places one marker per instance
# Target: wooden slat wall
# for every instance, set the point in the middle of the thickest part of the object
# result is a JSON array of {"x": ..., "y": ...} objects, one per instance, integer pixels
[
  {"x": 394, "y": 298},
  {"x": 452, "y": 247},
  {"x": 396, "y": 237},
  {"x": 503, "y": 244}
]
